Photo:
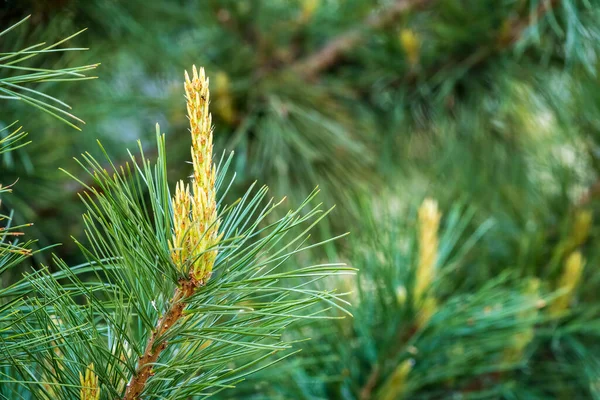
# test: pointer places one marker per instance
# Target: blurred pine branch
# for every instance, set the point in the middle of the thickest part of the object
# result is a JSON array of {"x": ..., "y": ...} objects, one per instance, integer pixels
[{"x": 490, "y": 107}]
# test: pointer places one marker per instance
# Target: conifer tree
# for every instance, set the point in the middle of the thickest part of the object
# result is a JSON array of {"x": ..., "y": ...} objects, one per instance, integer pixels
[
  {"x": 488, "y": 109},
  {"x": 184, "y": 295}
]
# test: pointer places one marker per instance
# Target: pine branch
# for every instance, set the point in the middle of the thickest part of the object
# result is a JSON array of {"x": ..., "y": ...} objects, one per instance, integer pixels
[
  {"x": 518, "y": 26},
  {"x": 311, "y": 65},
  {"x": 190, "y": 295},
  {"x": 367, "y": 390},
  {"x": 505, "y": 40},
  {"x": 14, "y": 85},
  {"x": 155, "y": 345},
  {"x": 333, "y": 50}
]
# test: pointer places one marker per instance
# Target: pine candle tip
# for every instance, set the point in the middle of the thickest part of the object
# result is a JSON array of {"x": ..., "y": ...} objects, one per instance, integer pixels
[
  {"x": 90, "y": 390},
  {"x": 573, "y": 269},
  {"x": 429, "y": 221},
  {"x": 195, "y": 221},
  {"x": 581, "y": 226},
  {"x": 411, "y": 44}
]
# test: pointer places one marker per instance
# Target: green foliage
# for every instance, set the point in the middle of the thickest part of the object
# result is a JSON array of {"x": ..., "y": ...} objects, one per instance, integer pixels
[
  {"x": 358, "y": 112},
  {"x": 14, "y": 309},
  {"x": 24, "y": 80},
  {"x": 490, "y": 107},
  {"x": 98, "y": 319},
  {"x": 230, "y": 326},
  {"x": 13, "y": 86}
]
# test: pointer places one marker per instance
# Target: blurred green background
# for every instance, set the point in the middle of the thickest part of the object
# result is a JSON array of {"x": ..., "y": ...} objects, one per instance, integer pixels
[{"x": 491, "y": 107}]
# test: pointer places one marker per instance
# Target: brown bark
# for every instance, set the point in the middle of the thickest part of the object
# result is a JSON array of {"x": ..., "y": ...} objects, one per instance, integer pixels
[
  {"x": 156, "y": 343},
  {"x": 367, "y": 390},
  {"x": 330, "y": 54}
]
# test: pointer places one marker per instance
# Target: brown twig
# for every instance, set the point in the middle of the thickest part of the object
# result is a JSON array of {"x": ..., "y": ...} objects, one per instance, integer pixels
[
  {"x": 508, "y": 37},
  {"x": 367, "y": 390},
  {"x": 517, "y": 27},
  {"x": 156, "y": 343},
  {"x": 402, "y": 337},
  {"x": 331, "y": 53}
]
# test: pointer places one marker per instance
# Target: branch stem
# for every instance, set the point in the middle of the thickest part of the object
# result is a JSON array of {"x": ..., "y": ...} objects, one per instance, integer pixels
[
  {"x": 329, "y": 54},
  {"x": 156, "y": 343}
]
